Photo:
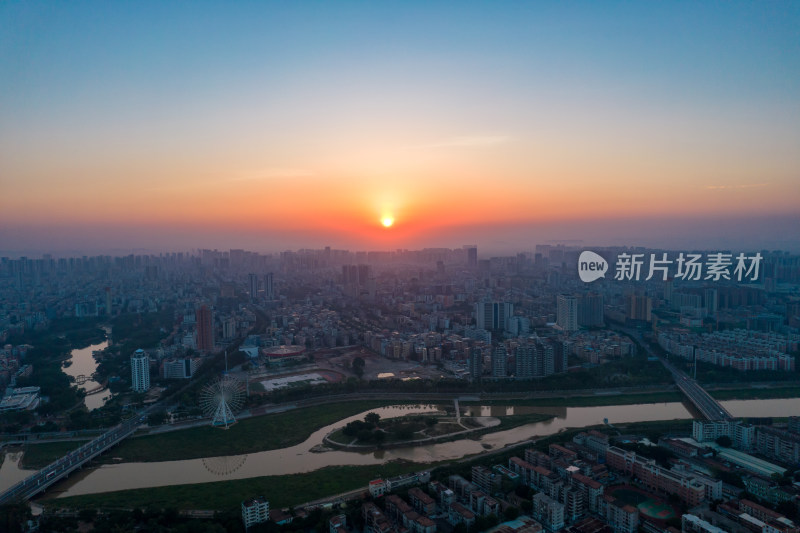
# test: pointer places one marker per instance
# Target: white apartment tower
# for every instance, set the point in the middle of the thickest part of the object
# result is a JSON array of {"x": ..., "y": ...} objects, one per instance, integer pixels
[
  {"x": 140, "y": 371},
  {"x": 567, "y": 312}
]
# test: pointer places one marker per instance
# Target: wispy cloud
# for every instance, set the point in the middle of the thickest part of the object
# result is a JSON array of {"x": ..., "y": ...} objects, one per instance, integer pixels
[
  {"x": 470, "y": 141},
  {"x": 742, "y": 186}
]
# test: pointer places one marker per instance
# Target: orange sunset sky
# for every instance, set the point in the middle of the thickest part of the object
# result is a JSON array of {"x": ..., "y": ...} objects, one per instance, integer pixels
[{"x": 280, "y": 126}]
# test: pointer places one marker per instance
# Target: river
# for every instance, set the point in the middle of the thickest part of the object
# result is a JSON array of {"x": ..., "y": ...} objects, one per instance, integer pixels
[
  {"x": 83, "y": 363},
  {"x": 300, "y": 458}
]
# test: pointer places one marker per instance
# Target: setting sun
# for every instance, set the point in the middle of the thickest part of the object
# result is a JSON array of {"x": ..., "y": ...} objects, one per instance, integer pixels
[{"x": 387, "y": 222}]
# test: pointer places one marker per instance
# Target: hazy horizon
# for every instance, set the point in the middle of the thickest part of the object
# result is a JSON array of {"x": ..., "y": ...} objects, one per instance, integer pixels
[
  {"x": 398, "y": 125},
  {"x": 764, "y": 233}
]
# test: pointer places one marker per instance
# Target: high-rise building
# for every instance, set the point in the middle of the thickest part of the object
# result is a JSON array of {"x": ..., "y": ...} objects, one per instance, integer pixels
[
  {"x": 669, "y": 289},
  {"x": 535, "y": 359},
  {"x": 472, "y": 255},
  {"x": 179, "y": 368},
  {"x": 639, "y": 307},
  {"x": 499, "y": 361},
  {"x": 108, "y": 301},
  {"x": 567, "y": 312},
  {"x": 253, "y": 278},
  {"x": 364, "y": 274},
  {"x": 476, "y": 362},
  {"x": 229, "y": 329},
  {"x": 269, "y": 289},
  {"x": 493, "y": 315},
  {"x": 590, "y": 309},
  {"x": 711, "y": 301},
  {"x": 560, "y": 354},
  {"x": 546, "y": 363},
  {"x": 205, "y": 329},
  {"x": 140, "y": 371},
  {"x": 525, "y": 356},
  {"x": 350, "y": 274}
]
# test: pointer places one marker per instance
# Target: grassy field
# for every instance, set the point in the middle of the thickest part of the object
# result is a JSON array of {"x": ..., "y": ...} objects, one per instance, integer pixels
[
  {"x": 280, "y": 491},
  {"x": 590, "y": 401},
  {"x": 443, "y": 430},
  {"x": 286, "y": 429},
  {"x": 37, "y": 456},
  {"x": 744, "y": 393},
  {"x": 508, "y": 422},
  {"x": 285, "y": 491},
  {"x": 756, "y": 394},
  {"x": 269, "y": 432}
]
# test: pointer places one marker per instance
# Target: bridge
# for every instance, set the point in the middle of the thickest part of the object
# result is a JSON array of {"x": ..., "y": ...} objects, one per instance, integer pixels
[
  {"x": 710, "y": 408},
  {"x": 80, "y": 379},
  {"x": 702, "y": 400},
  {"x": 74, "y": 460},
  {"x": 63, "y": 467}
]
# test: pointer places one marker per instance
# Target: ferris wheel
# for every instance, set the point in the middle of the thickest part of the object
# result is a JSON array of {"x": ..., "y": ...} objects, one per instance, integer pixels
[{"x": 221, "y": 399}]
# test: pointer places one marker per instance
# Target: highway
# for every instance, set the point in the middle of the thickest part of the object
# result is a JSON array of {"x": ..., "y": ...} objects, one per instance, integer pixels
[
  {"x": 710, "y": 408},
  {"x": 72, "y": 461},
  {"x": 63, "y": 467},
  {"x": 54, "y": 472}
]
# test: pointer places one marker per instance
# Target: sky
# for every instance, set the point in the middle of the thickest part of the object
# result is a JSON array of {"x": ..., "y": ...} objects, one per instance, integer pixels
[{"x": 283, "y": 125}]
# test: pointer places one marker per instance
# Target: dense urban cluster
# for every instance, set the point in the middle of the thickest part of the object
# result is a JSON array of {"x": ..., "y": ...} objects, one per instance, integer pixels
[
  {"x": 338, "y": 321},
  {"x": 599, "y": 481}
]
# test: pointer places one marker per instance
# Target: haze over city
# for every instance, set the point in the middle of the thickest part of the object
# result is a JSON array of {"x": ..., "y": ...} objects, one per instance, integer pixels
[
  {"x": 399, "y": 267},
  {"x": 271, "y": 126}
]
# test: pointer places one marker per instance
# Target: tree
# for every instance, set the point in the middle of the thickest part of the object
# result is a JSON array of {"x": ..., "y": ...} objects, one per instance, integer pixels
[
  {"x": 157, "y": 418},
  {"x": 358, "y": 366},
  {"x": 674, "y": 522},
  {"x": 404, "y": 433},
  {"x": 482, "y": 523},
  {"x": 87, "y": 515},
  {"x": 372, "y": 419},
  {"x": 511, "y": 513},
  {"x": 13, "y": 517},
  {"x": 724, "y": 441}
]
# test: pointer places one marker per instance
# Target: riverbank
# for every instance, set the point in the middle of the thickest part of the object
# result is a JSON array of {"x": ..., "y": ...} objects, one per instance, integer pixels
[
  {"x": 294, "y": 489},
  {"x": 722, "y": 392},
  {"x": 250, "y": 435},
  {"x": 594, "y": 400},
  {"x": 338, "y": 441},
  {"x": 37, "y": 456},
  {"x": 273, "y": 431},
  {"x": 280, "y": 491},
  {"x": 604, "y": 397}
]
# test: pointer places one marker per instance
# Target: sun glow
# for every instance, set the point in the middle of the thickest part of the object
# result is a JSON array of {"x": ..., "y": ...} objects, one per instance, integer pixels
[{"x": 387, "y": 222}]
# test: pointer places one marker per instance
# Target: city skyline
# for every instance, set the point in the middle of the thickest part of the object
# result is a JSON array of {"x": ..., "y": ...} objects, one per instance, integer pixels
[{"x": 274, "y": 127}]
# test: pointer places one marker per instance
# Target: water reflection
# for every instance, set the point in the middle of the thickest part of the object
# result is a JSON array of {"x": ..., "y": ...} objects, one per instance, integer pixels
[
  {"x": 511, "y": 410},
  {"x": 222, "y": 466},
  {"x": 301, "y": 458}
]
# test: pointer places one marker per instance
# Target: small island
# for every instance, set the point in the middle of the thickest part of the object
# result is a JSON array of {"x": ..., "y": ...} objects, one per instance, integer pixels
[{"x": 373, "y": 432}]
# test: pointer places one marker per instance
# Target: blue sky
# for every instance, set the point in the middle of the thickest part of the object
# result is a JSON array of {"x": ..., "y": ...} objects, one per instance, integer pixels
[{"x": 104, "y": 100}]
